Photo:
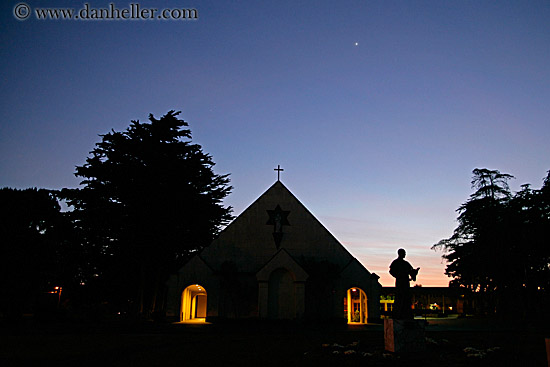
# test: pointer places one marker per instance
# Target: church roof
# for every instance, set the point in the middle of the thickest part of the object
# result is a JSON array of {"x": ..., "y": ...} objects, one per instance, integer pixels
[{"x": 276, "y": 220}]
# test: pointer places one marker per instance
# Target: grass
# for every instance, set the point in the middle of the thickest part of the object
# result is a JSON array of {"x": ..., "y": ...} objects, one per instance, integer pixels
[{"x": 253, "y": 344}]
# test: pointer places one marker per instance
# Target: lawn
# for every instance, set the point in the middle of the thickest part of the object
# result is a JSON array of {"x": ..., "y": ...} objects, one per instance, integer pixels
[{"x": 452, "y": 343}]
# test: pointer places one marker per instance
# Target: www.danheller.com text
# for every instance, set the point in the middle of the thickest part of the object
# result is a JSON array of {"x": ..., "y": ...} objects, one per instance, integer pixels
[{"x": 134, "y": 11}]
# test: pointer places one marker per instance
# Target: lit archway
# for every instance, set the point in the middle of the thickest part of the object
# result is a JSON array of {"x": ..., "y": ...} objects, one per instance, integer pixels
[
  {"x": 355, "y": 306},
  {"x": 193, "y": 304}
]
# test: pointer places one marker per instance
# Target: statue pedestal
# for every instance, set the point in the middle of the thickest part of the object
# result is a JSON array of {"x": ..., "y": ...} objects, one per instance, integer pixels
[{"x": 404, "y": 336}]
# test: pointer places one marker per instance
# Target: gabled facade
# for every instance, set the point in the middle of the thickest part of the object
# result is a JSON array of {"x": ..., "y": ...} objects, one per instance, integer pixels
[{"x": 274, "y": 261}]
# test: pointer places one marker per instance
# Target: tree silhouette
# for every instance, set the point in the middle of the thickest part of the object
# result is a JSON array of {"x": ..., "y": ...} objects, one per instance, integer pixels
[
  {"x": 32, "y": 249},
  {"x": 490, "y": 184},
  {"x": 149, "y": 200},
  {"x": 499, "y": 249}
]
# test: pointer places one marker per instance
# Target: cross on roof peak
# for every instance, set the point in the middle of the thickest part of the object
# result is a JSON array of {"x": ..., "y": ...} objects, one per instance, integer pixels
[{"x": 278, "y": 169}]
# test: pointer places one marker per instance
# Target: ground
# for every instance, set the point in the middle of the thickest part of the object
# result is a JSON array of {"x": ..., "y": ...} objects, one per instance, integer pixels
[{"x": 450, "y": 342}]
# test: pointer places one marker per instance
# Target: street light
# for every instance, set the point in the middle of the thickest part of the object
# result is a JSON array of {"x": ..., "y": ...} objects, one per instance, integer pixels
[{"x": 58, "y": 291}]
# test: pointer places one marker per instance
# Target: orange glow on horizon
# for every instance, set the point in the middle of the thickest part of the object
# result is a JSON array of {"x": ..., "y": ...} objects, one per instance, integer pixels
[
  {"x": 431, "y": 274},
  {"x": 428, "y": 280}
]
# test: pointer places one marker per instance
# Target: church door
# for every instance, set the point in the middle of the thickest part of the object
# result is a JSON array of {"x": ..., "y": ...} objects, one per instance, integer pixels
[
  {"x": 356, "y": 306},
  {"x": 281, "y": 295},
  {"x": 193, "y": 303}
]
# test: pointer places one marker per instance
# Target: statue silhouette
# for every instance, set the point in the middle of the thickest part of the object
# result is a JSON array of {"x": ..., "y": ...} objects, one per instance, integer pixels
[{"x": 403, "y": 272}]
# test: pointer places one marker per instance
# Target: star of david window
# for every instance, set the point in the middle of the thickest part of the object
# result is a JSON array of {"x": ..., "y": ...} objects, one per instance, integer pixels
[{"x": 278, "y": 218}]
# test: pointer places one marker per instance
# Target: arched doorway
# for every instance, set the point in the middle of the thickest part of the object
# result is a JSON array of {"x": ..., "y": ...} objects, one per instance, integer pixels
[
  {"x": 281, "y": 295},
  {"x": 355, "y": 306},
  {"x": 193, "y": 304}
]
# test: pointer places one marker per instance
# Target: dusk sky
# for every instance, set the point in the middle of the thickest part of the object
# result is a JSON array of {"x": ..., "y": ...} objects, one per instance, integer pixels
[{"x": 378, "y": 111}]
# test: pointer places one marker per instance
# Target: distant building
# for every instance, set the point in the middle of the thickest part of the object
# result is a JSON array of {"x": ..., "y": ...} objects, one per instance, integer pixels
[{"x": 427, "y": 300}]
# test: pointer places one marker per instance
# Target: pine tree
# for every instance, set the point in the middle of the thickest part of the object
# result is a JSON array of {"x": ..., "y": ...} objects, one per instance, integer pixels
[{"x": 149, "y": 200}]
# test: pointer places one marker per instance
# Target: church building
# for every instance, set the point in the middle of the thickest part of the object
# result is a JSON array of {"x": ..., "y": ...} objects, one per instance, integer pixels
[{"x": 274, "y": 261}]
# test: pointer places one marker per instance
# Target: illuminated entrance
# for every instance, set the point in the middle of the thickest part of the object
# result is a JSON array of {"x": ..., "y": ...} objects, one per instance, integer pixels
[
  {"x": 355, "y": 306},
  {"x": 193, "y": 303}
]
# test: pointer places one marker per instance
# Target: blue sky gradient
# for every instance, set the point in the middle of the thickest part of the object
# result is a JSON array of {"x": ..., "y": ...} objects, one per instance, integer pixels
[{"x": 377, "y": 110}]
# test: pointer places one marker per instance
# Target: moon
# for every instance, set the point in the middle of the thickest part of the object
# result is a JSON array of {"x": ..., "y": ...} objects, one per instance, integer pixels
[{"x": 356, "y": 43}]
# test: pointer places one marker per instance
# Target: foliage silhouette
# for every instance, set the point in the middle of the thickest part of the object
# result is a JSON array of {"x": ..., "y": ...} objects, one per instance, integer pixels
[
  {"x": 149, "y": 200},
  {"x": 34, "y": 252},
  {"x": 499, "y": 249}
]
